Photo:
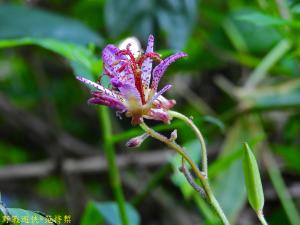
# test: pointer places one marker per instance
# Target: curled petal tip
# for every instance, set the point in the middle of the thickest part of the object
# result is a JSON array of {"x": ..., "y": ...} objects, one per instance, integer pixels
[
  {"x": 184, "y": 54},
  {"x": 151, "y": 37},
  {"x": 160, "y": 69}
]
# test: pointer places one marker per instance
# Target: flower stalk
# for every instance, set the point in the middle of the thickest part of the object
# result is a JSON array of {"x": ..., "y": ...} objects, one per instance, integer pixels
[
  {"x": 190, "y": 123},
  {"x": 261, "y": 218},
  {"x": 203, "y": 179},
  {"x": 112, "y": 164}
]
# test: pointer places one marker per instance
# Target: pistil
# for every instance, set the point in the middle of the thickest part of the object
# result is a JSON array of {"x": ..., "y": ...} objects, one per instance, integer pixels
[{"x": 135, "y": 70}]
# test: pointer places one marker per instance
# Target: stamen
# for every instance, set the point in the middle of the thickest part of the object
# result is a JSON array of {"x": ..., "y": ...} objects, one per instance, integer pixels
[
  {"x": 151, "y": 55},
  {"x": 122, "y": 67},
  {"x": 135, "y": 67},
  {"x": 128, "y": 53}
]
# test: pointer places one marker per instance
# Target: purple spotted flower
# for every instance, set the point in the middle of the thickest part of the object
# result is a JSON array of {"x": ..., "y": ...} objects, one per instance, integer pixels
[{"x": 134, "y": 83}]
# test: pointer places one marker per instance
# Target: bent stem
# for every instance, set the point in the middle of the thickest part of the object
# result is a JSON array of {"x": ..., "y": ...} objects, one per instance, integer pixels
[
  {"x": 112, "y": 164},
  {"x": 206, "y": 187},
  {"x": 261, "y": 218},
  {"x": 190, "y": 123}
]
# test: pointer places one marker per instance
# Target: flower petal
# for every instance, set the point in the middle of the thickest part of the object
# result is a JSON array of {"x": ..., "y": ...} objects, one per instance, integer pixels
[
  {"x": 127, "y": 90},
  {"x": 101, "y": 99},
  {"x": 162, "y": 102},
  {"x": 158, "y": 114},
  {"x": 160, "y": 69},
  {"x": 131, "y": 95},
  {"x": 163, "y": 90},
  {"x": 104, "y": 91},
  {"x": 112, "y": 62},
  {"x": 147, "y": 64},
  {"x": 137, "y": 141}
]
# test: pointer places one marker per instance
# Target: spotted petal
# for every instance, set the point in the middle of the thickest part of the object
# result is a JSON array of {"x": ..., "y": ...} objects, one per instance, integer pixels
[
  {"x": 160, "y": 69},
  {"x": 163, "y": 90},
  {"x": 131, "y": 95},
  {"x": 100, "y": 88},
  {"x": 101, "y": 99},
  {"x": 112, "y": 62},
  {"x": 162, "y": 102},
  {"x": 158, "y": 114},
  {"x": 147, "y": 64}
]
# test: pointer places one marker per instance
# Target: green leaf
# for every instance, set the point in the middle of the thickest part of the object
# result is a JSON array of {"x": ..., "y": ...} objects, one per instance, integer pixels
[
  {"x": 61, "y": 35},
  {"x": 228, "y": 186},
  {"x": 96, "y": 212},
  {"x": 21, "y": 21},
  {"x": 175, "y": 18},
  {"x": 23, "y": 217},
  {"x": 296, "y": 9},
  {"x": 81, "y": 59},
  {"x": 252, "y": 180},
  {"x": 227, "y": 170},
  {"x": 258, "y": 39},
  {"x": 260, "y": 19}
]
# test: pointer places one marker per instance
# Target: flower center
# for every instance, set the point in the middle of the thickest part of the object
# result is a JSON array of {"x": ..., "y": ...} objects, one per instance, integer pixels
[{"x": 136, "y": 64}]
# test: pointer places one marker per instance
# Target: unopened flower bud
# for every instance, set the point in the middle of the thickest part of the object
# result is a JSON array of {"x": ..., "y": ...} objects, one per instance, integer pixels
[
  {"x": 136, "y": 141},
  {"x": 173, "y": 136}
]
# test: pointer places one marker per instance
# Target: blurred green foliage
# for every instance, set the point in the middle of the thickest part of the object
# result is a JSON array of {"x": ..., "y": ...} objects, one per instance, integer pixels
[{"x": 243, "y": 63}]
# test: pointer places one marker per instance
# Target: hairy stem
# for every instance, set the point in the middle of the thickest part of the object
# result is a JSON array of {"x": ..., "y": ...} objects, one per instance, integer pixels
[
  {"x": 203, "y": 179},
  {"x": 112, "y": 164},
  {"x": 190, "y": 123}
]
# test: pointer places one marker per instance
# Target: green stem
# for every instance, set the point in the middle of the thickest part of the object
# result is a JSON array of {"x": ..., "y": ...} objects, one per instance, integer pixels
[
  {"x": 261, "y": 218},
  {"x": 112, "y": 164},
  {"x": 206, "y": 187},
  {"x": 190, "y": 123}
]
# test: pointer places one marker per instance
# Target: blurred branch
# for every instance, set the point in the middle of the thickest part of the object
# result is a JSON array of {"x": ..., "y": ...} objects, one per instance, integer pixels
[
  {"x": 268, "y": 62},
  {"x": 283, "y": 9},
  {"x": 226, "y": 86},
  {"x": 184, "y": 91},
  {"x": 234, "y": 35},
  {"x": 91, "y": 164},
  {"x": 40, "y": 132}
]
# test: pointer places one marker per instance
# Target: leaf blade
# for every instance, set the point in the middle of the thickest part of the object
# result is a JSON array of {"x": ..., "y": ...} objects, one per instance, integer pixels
[
  {"x": 108, "y": 211},
  {"x": 252, "y": 180}
]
